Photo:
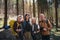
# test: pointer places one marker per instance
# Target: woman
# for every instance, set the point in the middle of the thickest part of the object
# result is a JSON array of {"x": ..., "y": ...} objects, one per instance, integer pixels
[
  {"x": 27, "y": 27},
  {"x": 18, "y": 27}
]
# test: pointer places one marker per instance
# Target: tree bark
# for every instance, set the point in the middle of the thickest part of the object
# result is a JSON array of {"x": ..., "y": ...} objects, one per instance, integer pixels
[
  {"x": 5, "y": 18},
  {"x": 34, "y": 8},
  {"x": 23, "y": 6},
  {"x": 56, "y": 13},
  {"x": 17, "y": 7}
]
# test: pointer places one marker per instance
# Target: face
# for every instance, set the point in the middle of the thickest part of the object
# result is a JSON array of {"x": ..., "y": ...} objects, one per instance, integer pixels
[
  {"x": 19, "y": 19},
  {"x": 33, "y": 21},
  {"x": 42, "y": 17},
  {"x": 22, "y": 20},
  {"x": 27, "y": 17}
]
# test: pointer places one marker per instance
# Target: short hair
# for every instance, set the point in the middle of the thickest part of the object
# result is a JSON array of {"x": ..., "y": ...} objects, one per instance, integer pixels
[
  {"x": 33, "y": 18},
  {"x": 19, "y": 16},
  {"x": 42, "y": 15}
]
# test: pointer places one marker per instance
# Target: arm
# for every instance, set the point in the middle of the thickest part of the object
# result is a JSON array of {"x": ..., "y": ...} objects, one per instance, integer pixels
[
  {"x": 50, "y": 25},
  {"x": 14, "y": 26},
  {"x": 38, "y": 29}
]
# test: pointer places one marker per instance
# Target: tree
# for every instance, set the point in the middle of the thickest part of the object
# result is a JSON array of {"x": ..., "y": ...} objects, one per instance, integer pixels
[
  {"x": 5, "y": 18},
  {"x": 42, "y": 5},
  {"x": 34, "y": 8},
  {"x": 17, "y": 7},
  {"x": 23, "y": 6},
  {"x": 56, "y": 13}
]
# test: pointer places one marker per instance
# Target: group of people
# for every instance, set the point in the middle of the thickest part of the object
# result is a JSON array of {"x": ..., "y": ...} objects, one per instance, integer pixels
[{"x": 30, "y": 30}]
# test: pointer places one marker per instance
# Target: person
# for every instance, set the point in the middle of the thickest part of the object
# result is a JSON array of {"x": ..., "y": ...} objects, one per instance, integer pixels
[
  {"x": 6, "y": 34},
  {"x": 18, "y": 28},
  {"x": 27, "y": 27},
  {"x": 7, "y": 27},
  {"x": 11, "y": 23},
  {"x": 35, "y": 29},
  {"x": 45, "y": 27}
]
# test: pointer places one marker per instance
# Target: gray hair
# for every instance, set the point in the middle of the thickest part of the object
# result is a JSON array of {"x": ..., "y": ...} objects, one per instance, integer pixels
[
  {"x": 19, "y": 16},
  {"x": 42, "y": 15},
  {"x": 33, "y": 18}
]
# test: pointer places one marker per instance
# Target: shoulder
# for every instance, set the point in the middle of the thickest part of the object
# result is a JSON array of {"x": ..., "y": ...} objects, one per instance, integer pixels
[
  {"x": 48, "y": 20},
  {"x": 15, "y": 22},
  {"x": 24, "y": 22},
  {"x": 38, "y": 26}
]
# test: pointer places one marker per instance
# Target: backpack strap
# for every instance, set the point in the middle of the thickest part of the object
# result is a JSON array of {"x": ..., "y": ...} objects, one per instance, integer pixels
[{"x": 47, "y": 23}]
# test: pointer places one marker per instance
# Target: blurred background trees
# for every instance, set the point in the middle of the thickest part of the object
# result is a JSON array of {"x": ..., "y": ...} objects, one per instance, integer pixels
[{"x": 51, "y": 8}]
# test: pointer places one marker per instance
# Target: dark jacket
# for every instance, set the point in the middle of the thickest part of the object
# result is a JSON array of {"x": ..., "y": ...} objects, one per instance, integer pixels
[
  {"x": 6, "y": 35},
  {"x": 27, "y": 26},
  {"x": 35, "y": 27},
  {"x": 15, "y": 26}
]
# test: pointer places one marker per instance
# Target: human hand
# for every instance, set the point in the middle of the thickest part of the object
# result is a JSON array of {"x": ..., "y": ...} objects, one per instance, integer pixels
[
  {"x": 44, "y": 29},
  {"x": 17, "y": 30},
  {"x": 34, "y": 32},
  {"x": 20, "y": 29}
]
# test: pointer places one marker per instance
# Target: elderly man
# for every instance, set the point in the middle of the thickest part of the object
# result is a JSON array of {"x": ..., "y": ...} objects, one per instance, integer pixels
[
  {"x": 35, "y": 29},
  {"x": 45, "y": 27}
]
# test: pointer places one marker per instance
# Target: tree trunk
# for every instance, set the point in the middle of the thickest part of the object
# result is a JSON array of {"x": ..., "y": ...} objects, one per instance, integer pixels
[
  {"x": 56, "y": 13},
  {"x": 17, "y": 7},
  {"x": 34, "y": 8},
  {"x": 5, "y": 18},
  {"x": 23, "y": 6}
]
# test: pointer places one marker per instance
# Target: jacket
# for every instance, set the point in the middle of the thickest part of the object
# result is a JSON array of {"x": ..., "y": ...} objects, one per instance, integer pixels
[
  {"x": 27, "y": 26},
  {"x": 45, "y": 25},
  {"x": 18, "y": 26}
]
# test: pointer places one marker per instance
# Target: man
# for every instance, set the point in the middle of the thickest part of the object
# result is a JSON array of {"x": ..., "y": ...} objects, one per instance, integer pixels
[
  {"x": 18, "y": 27},
  {"x": 35, "y": 30},
  {"x": 45, "y": 27}
]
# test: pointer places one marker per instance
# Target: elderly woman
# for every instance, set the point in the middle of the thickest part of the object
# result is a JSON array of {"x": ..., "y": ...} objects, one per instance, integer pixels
[
  {"x": 18, "y": 27},
  {"x": 45, "y": 27}
]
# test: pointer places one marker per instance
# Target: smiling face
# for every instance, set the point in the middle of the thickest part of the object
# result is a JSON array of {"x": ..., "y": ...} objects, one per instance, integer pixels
[
  {"x": 33, "y": 20},
  {"x": 18, "y": 19},
  {"x": 27, "y": 17},
  {"x": 42, "y": 17}
]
